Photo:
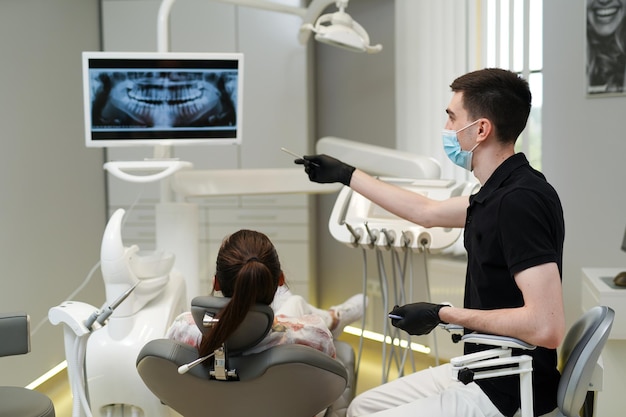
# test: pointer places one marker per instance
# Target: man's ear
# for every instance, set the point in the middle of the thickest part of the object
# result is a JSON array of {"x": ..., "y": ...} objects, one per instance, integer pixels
[
  {"x": 485, "y": 128},
  {"x": 281, "y": 279},
  {"x": 216, "y": 284}
]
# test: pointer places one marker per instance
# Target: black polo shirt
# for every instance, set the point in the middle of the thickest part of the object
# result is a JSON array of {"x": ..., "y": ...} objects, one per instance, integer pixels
[{"x": 513, "y": 223}]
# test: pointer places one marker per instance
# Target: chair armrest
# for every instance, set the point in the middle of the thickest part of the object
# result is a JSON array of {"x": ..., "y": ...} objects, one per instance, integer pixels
[
  {"x": 14, "y": 334},
  {"x": 494, "y": 340},
  {"x": 502, "y": 346}
]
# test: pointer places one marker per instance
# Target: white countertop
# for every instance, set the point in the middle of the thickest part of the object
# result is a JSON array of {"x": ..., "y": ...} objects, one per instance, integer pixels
[{"x": 599, "y": 289}]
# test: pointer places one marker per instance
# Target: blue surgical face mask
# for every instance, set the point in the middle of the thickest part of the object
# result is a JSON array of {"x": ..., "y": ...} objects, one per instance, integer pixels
[{"x": 452, "y": 147}]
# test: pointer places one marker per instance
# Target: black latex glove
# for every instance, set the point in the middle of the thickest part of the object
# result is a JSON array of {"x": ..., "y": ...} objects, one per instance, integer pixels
[
  {"x": 325, "y": 169},
  {"x": 417, "y": 318}
]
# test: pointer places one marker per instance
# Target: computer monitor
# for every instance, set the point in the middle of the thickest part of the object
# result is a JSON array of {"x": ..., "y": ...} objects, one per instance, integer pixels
[{"x": 139, "y": 99}]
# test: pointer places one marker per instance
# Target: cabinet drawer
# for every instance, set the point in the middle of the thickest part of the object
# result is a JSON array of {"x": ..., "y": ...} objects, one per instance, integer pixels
[
  {"x": 249, "y": 201},
  {"x": 276, "y": 233},
  {"x": 275, "y": 200},
  {"x": 243, "y": 216}
]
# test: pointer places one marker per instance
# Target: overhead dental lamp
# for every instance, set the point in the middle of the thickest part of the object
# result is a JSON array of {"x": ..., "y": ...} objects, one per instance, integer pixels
[{"x": 339, "y": 29}]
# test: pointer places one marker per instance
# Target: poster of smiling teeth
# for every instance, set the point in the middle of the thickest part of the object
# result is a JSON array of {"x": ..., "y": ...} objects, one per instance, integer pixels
[{"x": 606, "y": 47}]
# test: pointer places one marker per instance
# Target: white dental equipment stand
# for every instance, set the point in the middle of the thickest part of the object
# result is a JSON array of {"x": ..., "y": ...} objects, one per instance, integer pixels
[
  {"x": 359, "y": 223},
  {"x": 107, "y": 355},
  {"x": 143, "y": 296}
]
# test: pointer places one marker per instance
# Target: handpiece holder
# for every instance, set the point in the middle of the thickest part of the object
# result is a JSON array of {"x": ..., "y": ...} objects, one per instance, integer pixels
[{"x": 358, "y": 222}]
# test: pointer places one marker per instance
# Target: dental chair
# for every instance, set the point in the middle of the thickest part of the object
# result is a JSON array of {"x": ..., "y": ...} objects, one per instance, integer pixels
[
  {"x": 578, "y": 363},
  {"x": 283, "y": 381},
  {"x": 19, "y": 401}
]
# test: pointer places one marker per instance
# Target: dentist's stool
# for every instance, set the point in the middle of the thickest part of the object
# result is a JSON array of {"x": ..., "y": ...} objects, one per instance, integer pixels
[
  {"x": 283, "y": 381},
  {"x": 578, "y": 363},
  {"x": 19, "y": 401}
]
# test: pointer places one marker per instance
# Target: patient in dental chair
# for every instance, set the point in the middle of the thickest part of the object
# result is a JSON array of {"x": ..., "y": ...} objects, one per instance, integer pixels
[{"x": 248, "y": 271}]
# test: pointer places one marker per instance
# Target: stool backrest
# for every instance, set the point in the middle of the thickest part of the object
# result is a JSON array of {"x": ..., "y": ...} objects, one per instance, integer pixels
[
  {"x": 20, "y": 401},
  {"x": 578, "y": 357},
  {"x": 15, "y": 331}
]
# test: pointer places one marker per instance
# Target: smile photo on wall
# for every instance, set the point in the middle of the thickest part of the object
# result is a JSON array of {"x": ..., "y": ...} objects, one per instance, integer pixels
[{"x": 606, "y": 46}]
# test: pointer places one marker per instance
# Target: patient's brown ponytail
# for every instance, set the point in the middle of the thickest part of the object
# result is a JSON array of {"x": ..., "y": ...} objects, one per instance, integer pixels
[{"x": 248, "y": 271}]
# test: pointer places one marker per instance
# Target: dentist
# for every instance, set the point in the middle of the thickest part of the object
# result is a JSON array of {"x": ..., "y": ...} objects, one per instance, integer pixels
[{"x": 514, "y": 232}]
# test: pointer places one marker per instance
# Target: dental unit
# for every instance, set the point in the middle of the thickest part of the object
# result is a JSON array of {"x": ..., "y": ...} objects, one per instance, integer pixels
[
  {"x": 143, "y": 295},
  {"x": 358, "y": 223}
]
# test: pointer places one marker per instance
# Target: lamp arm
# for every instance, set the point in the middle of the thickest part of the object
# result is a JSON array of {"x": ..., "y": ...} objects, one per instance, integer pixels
[{"x": 308, "y": 15}]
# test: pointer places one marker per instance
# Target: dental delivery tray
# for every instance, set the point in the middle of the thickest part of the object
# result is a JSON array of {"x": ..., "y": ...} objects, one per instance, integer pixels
[{"x": 356, "y": 221}]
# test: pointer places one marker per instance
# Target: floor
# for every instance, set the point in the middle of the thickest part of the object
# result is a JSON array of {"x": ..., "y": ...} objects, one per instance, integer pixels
[{"x": 369, "y": 375}]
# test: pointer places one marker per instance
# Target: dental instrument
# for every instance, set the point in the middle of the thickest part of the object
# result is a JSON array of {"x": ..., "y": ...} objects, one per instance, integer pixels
[{"x": 295, "y": 155}]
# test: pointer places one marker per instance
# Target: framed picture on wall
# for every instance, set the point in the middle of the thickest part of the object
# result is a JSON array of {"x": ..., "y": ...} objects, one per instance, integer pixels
[{"x": 606, "y": 47}]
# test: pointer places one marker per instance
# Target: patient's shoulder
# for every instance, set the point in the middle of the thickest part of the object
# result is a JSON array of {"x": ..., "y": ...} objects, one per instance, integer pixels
[{"x": 184, "y": 329}]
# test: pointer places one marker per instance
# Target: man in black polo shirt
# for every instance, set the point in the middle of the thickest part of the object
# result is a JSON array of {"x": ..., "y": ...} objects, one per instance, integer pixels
[{"x": 514, "y": 234}]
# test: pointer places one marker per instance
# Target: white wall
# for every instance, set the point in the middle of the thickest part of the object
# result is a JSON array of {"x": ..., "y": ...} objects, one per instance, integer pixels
[
  {"x": 584, "y": 148},
  {"x": 53, "y": 202}
]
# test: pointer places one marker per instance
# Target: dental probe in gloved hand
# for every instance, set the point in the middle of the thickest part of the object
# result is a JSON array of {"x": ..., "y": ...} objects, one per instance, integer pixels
[{"x": 295, "y": 155}]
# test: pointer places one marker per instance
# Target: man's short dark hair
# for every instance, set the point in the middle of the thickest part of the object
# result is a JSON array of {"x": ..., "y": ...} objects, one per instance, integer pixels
[{"x": 498, "y": 95}]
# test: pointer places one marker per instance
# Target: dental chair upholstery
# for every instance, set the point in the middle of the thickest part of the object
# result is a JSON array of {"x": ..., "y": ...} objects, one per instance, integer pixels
[
  {"x": 283, "y": 381},
  {"x": 19, "y": 401},
  {"x": 578, "y": 360}
]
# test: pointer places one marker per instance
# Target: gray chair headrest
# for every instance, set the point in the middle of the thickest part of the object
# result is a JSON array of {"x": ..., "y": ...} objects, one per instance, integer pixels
[{"x": 252, "y": 330}]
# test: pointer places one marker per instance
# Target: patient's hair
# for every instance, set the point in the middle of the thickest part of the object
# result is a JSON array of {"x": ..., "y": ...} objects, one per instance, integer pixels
[
  {"x": 248, "y": 271},
  {"x": 498, "y": 95}
]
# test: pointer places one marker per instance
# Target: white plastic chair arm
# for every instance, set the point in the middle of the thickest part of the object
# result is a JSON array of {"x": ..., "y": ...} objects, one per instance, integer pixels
[
  {"x": 481, "y": 356},
  {"x": 494, "y": 340}
]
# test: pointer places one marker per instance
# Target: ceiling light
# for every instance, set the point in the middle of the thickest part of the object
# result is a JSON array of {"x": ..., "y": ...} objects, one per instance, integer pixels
[{"x": 339, "y": 29}]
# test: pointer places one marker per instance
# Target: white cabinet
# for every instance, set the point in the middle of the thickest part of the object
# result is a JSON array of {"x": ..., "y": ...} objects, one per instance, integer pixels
[
  {"x": 599, "y": 289},
  {"x": 283, "y": 218},
  {"x": 276, "y": 113}
]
